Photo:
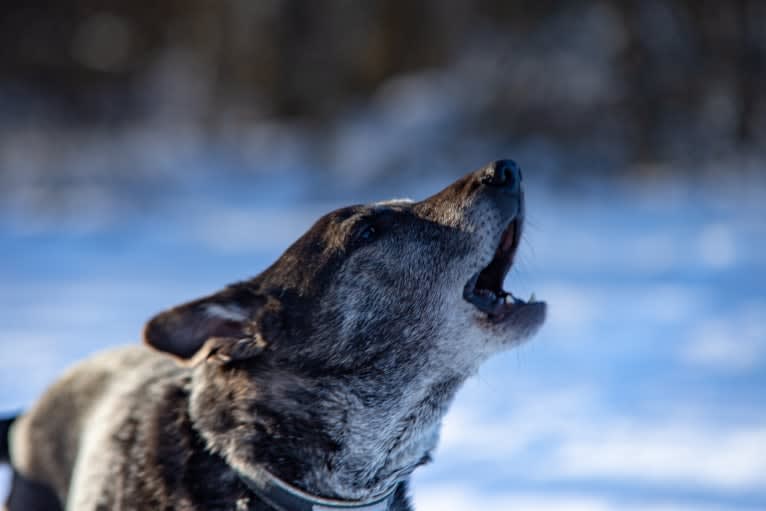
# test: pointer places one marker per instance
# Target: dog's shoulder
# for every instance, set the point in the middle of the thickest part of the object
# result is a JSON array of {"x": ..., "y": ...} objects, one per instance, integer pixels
[
  {"x": 46, "y": 440},
  {"x": 143, "y": 451}
]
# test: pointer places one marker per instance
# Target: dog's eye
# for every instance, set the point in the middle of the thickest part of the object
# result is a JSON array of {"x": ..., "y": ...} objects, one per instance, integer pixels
[
  {"x": 368, "y": 233},
  {"x": 372, "y": 227}
]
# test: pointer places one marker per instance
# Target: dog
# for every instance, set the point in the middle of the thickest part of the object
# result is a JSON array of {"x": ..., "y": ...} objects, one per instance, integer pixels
[{"x": 319, "y": 384}]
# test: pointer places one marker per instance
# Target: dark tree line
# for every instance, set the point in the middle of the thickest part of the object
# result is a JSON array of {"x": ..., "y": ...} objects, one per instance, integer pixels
[{"x": 682, "y": 66}]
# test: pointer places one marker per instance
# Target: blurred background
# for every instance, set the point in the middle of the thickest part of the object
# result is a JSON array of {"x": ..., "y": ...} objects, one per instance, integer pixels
[{"x": 151, "y": 152}]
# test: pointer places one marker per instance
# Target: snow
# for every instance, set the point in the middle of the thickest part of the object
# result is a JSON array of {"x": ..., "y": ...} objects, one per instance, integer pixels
[{"x": 643, "y": 391}]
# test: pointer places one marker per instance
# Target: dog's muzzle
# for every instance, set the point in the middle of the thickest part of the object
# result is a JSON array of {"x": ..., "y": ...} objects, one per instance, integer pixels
[{"x": 484, "y": 290}]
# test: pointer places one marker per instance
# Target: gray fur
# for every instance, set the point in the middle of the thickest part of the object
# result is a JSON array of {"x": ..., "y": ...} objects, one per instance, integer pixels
[{"x": 332, "y": 369}]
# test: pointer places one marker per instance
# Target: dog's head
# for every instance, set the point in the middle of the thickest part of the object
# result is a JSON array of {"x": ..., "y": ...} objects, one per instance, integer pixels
[
  {"x": 392, "y": 277},
  {"x": 395, "y": 298}
]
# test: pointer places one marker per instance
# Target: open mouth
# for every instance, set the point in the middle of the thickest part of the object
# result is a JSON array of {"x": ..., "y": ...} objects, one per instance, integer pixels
[{"x": 485, "y": 289}]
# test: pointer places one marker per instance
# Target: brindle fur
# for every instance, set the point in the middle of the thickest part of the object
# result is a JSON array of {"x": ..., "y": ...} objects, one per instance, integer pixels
[{"x": 332, "y": 369}]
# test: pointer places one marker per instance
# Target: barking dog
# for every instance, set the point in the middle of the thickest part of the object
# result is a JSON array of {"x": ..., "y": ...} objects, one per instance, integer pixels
[{"x": 319, "y": 384}]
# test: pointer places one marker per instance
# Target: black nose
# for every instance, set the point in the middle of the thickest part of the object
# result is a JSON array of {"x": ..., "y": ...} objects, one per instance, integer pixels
[{"x": 503, "y": 174}]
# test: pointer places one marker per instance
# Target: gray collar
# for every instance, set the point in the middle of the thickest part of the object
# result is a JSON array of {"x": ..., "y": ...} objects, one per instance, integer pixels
[{"x": 286, "y": 497}]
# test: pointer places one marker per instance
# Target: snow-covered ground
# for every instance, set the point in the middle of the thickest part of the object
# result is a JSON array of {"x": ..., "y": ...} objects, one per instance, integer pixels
[{"x": 644, "y": 391}]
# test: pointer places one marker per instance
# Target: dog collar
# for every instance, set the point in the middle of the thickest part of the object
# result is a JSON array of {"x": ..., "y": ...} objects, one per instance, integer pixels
[{"x": 286, "y": 497}]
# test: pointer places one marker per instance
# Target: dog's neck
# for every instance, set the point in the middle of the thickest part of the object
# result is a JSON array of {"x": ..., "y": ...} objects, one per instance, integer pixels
[{"x": 322, "y": 438}]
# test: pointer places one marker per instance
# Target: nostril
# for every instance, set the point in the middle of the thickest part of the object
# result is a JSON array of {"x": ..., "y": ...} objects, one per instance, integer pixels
[{"x": 503, "y": 173}]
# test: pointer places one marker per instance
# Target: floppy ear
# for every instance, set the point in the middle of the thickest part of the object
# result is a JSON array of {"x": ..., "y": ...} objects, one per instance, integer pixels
[{"x": 222, "y": 325}]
